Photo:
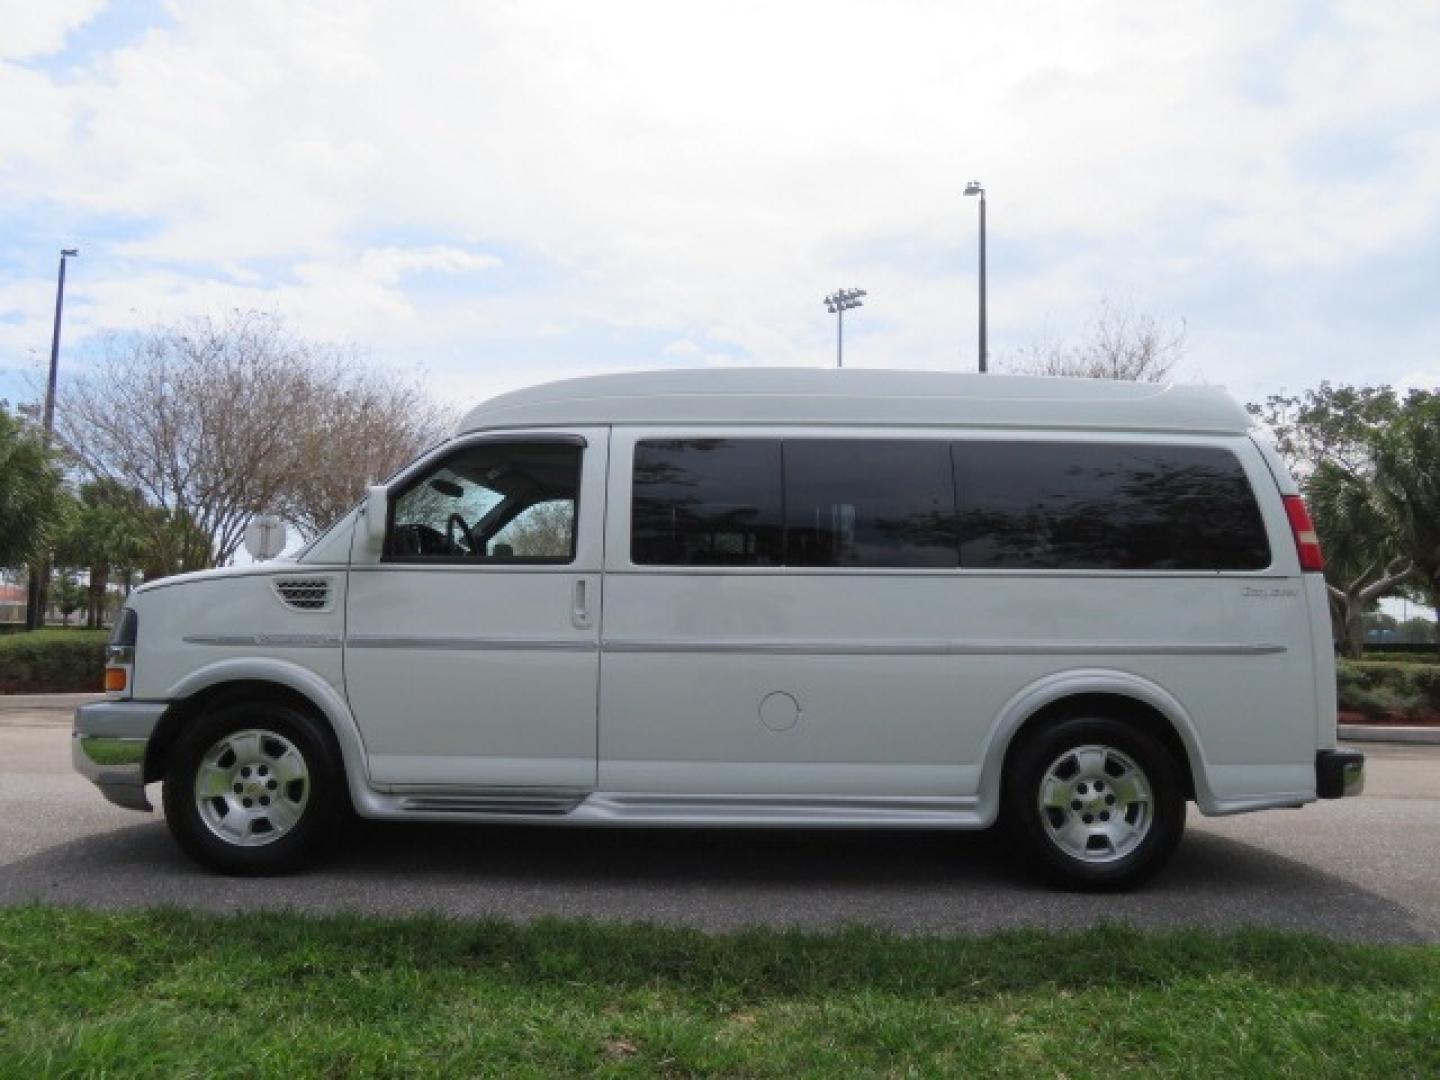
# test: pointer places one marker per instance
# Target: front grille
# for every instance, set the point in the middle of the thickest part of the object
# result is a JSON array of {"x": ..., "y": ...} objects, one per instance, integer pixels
[{"x": 305, "y": 594}]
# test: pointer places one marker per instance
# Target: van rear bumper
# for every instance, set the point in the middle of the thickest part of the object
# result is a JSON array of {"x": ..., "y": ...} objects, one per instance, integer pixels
[{"x": 1339, "y": 773}]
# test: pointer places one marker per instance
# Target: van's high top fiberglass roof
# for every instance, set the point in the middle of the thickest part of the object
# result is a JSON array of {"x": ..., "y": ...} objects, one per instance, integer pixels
[{"x": 862, "y": 397}]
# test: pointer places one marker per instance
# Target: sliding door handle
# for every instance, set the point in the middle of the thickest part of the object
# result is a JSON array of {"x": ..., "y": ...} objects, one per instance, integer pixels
[{"x": 580, "y": 616}]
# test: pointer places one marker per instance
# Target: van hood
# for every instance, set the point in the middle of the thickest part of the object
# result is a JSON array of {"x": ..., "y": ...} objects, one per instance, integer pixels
[{"x": 258, "y": 569}]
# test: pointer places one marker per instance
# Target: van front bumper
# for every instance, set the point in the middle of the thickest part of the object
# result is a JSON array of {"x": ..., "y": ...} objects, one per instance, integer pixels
[
  {"x": 1339, "y": 773},
  {"x": 108, "y": 747}
]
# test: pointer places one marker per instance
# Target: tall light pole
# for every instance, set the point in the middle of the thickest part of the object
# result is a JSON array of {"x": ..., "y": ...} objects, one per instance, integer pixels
[
  {"x": 65, "y": 253},
  {"x": 974, "y": 188},
  {"x": 837, "y": 303},
  {"x": 36, "y": 595}
]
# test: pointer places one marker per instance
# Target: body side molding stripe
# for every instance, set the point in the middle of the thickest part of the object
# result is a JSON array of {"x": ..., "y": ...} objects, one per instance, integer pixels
[
  {"x": 755, "y": 647},
  {"x": 939, "y": 648},
  {"x": 284, "y": 641},
  {"x": 421, "y": 641}
]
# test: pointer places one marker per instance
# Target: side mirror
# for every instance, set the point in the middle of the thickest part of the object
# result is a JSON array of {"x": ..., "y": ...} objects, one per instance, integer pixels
[{"x": 377, "y": 508}]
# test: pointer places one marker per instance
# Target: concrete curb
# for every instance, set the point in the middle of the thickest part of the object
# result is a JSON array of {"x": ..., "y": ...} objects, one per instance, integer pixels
[{"x": 1376, "y": 733}]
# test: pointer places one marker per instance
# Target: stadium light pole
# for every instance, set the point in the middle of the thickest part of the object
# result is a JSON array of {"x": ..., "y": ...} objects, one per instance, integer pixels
[
  {"x": 837, "y": 303},
  {"x": 974, "y": 188},
  {"x": 36, "y": 595}
]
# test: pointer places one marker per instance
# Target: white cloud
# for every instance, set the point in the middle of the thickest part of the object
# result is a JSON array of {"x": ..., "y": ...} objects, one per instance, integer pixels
[
  {"x": 386, "y": 265},
  {"x": 34, "y": 28},
  {"x": 678, "y": 174}
]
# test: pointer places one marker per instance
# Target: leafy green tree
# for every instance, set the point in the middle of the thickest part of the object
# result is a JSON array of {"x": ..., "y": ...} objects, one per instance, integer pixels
[
  {"x": 1329, "y": 438},
  {"x": 1364, "y": 558},
  {"x": 67, "y": 594},
  {"x": 1407, "y": 485},
  {"x": 30, "y": 491},
  {"x": 105, "y": 532},
  {"x": 1335, "y": 425}
]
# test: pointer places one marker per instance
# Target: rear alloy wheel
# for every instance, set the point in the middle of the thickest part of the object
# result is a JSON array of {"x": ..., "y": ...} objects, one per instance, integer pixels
[
  {"x": 254, "y": 789},
  {"x": 1098, "y": 803}
]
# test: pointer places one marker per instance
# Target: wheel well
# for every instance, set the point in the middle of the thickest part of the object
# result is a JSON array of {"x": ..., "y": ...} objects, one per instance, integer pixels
[
  {"x": 1117, "y": 707},
  {"x": 213, "y": 697}
]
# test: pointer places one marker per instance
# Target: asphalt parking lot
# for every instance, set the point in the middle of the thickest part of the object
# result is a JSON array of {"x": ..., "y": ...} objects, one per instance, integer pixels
[{"x": 1366, "y": 868}]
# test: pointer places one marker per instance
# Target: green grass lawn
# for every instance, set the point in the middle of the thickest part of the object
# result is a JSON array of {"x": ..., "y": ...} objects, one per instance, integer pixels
[{"x": 175, "y": 994}]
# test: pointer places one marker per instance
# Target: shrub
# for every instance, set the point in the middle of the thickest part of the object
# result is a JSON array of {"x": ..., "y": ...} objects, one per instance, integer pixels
[
  {"x": 1385, "y": 688},
  {"x": 52, "y": 661}
]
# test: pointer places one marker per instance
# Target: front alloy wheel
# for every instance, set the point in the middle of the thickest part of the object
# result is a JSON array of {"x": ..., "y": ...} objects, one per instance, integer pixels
[
  {"x": 255, "y": 788},
  {"x": 251, "y": 787}
]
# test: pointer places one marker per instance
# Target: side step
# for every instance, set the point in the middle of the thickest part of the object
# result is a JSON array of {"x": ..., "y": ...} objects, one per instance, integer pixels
[
  {"x": 783, "y": 811},
  {"x": 693, "y": 811},
  {"x": 548, "y": 804}
]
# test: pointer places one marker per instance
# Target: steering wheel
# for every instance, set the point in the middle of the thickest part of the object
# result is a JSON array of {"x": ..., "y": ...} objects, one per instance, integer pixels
[{"x": 457, "y": 523}]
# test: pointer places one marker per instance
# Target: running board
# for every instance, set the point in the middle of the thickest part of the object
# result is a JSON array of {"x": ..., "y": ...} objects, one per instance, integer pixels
[
  {"x": 686, "y": 811},
  {"x": 794, "y": 811},
  {"x": 489, "y": 802}
]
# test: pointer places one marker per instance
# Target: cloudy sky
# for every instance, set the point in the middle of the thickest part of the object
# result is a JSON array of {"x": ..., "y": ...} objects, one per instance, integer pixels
[{"x": 500, "y": 193}]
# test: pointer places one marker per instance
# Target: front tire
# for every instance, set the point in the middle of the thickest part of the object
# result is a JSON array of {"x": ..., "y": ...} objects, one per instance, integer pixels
[
  {"x": 254, "y": 788},
  {"x": 1096, "y": 804}
]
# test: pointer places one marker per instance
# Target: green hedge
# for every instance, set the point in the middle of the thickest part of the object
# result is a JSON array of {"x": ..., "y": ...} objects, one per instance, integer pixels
[
  {"x": 52, "y": 661},
  {"x": 1387, "y": 689},
  {"x": 1420, "y": 655}
]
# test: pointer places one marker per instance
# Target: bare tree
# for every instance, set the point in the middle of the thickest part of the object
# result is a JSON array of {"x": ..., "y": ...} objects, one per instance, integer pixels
[
  {"x": 546, "y": 529},
  {"x": 217, "y": 421},
  {"x": 1120, "y": 344},
  {"x": 368, "y": 426}
]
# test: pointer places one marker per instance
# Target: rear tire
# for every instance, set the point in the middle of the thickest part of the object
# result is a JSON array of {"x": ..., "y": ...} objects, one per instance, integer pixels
[
  {"x": 1095, "y": 804},
  {"x": 255, "y": 788}
]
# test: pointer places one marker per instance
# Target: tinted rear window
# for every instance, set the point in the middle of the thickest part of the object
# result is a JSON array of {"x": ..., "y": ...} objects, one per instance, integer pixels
[
  {"x": 871, "y": 502},
  {"x": 707, "y": 502},
  {"x": 1086, "y": 506}
]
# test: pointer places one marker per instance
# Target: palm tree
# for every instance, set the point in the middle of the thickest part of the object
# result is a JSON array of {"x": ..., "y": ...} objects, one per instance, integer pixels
[
  {"x": 104, "y": 531},
  {"x": 29, "y": 492}
]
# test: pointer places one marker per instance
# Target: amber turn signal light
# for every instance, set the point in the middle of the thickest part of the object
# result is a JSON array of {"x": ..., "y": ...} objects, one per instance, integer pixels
[{"x": 116, "y": 679}]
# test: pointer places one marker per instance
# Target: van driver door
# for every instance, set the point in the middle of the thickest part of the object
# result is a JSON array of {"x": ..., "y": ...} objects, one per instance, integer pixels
[{"x": 472, "y": 634}]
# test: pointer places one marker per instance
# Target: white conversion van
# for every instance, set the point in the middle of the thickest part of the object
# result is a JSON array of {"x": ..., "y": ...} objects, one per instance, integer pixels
[{"x": 852, "y": 599}]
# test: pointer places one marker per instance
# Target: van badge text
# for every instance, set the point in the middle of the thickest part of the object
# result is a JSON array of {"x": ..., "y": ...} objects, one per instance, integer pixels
[{"x": 1271, "y": 593}]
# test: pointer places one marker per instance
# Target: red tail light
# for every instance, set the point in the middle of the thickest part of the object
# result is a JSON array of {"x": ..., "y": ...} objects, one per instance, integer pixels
[{"x": 1307, "y": 543}]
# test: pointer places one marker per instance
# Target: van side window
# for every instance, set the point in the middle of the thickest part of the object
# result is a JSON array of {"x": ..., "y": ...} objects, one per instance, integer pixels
[
  {"x": 1087, "y": 506},
  {"x": 869, "y": 502},
  {"x": 706, "y": 502},
  {"x": 493, "y": 502}
]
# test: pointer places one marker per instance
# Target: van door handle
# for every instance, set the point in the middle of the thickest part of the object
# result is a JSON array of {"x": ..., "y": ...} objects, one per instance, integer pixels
[{"x": 580, "y": 606}]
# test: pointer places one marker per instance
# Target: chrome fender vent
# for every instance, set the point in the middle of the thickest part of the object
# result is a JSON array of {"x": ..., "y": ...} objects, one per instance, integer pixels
[{"x": 304, "y": 594}]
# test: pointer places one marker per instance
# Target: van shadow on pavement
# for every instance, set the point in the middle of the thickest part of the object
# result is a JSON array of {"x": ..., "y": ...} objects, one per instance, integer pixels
[{"x": 909, "y": 882}]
